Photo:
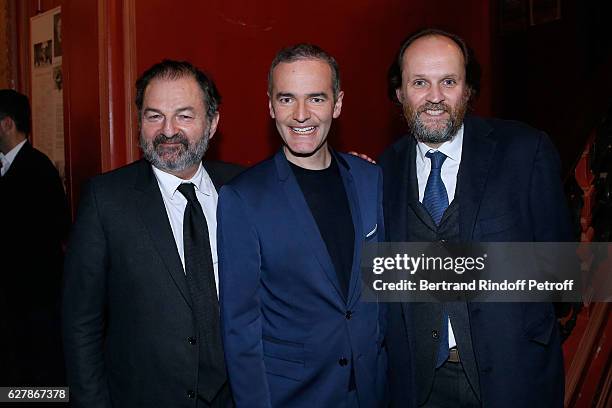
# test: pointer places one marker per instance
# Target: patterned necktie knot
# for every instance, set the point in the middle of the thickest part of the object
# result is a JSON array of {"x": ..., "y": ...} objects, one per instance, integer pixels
[
  {"x": 437, "y": 158},
  {"x": 188, "y": 191}
]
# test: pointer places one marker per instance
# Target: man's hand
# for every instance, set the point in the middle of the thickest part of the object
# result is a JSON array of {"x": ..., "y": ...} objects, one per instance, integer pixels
[{"x": 363, "y": 156}]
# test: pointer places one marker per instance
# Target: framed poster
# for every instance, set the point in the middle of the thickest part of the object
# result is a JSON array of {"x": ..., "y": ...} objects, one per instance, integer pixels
[{"x": 47, "y": 86}]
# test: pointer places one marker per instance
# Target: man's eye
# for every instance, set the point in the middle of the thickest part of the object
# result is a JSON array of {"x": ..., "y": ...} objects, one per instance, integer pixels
[
  {"x": 419, "y": 83},
  {"x": 285, "y": 100},
  {"x": 185, "y": 117},
  {"x": 317, "y": 100},
  {"x": 153, "y": 117},
  {"x": 449, "y": 82}
]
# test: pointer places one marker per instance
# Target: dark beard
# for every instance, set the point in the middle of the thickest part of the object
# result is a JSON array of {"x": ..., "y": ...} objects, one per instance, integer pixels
[
  {"x": 435, "y": 136},
  {"x": 189, "y": 156}
]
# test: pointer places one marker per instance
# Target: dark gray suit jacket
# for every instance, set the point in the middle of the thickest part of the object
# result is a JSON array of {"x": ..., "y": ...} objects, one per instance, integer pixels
[{"x": 127, "y": 311}]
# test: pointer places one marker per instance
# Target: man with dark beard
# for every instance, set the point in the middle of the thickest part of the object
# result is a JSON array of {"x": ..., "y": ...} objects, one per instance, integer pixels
[
  {"x": 466, "y": 179},
  {"x": 140, "y": 313}
]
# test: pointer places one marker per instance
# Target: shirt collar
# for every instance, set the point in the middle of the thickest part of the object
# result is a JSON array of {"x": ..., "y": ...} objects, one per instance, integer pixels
[
  {"x": 169, "y": 183},
  {"x": 452, "y": 148},
  {"x": 10, "y": 156}
]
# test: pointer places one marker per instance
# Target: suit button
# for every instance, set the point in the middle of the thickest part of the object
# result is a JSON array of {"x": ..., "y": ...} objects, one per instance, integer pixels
[
  {"x": 343, "y": 361},
  {"x": 192, "y": 340},
  {"x": 442, "y": 241},
  {"x": 435, "y": 334},
  {"x": 190, "y": 394},
  {"x": 348, "y": 315}
]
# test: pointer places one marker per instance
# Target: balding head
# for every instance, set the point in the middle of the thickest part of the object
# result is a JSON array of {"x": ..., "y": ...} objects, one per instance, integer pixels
[
  {"x": 471, "y": 66},
  {"x": 433, "y": 90}
]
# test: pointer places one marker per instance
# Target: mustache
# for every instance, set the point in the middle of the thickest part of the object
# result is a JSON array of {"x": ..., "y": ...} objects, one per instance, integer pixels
[
  {"x": 176, "y": 138},
  {"x": 434, "y": 106}
]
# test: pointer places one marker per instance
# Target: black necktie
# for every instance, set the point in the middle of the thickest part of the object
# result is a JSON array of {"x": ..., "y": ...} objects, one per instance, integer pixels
[{"x": 201, "y": 281}]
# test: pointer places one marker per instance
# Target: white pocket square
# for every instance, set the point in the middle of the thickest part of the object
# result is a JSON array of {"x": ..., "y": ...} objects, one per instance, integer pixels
[{"x": 372, "y": 232}]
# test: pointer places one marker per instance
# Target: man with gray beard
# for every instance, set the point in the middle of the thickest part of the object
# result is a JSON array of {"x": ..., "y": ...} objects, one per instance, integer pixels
[
  {"x": 140, "y": 313},
  {"x": 464, "y": 179}
]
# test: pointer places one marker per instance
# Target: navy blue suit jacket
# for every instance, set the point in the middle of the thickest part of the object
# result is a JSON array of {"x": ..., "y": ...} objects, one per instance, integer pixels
[
  {"x": 509, "y": 189},
  {"x": 290, "y": 336}
]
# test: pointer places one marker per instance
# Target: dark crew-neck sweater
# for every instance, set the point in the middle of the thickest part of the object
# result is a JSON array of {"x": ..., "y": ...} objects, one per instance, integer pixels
[{"x": 326, "y": 197}]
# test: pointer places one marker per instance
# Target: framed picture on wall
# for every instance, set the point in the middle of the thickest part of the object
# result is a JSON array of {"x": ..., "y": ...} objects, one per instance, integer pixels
[{"x": 544, "y": 11}]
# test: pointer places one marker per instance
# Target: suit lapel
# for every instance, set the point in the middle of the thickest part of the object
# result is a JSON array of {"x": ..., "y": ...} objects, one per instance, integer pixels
[
  {"x": 353, "y": 199},
  {"x": 306, "y": 220},
  {"x": 476, "y": 160},
  {"x": 217, "y": 182},
  {"x": 155, "y": 219},
  {"x": 396, "y": 221},
  {"x": 408, "y": 198},
  {"x": 213, "y": 176},
  {"x": 19, "y": 161}
]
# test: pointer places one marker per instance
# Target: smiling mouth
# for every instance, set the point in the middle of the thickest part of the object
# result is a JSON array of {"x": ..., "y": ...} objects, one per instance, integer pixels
[
  {"x": 436, "y": 112},
  {"x": 303, "y": 130},
  {"x": 170, "y": 145}
]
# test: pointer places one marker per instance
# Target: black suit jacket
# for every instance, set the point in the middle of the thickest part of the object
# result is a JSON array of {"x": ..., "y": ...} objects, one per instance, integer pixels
[
  {"x": 127, "y": 311},
  {"x": 508, "y": 189},
  {"x": 35, "y": 220}
]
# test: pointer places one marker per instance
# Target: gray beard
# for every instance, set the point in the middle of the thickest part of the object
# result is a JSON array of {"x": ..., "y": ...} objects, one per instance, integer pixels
[
  {"x": 436, "y": 136},
  {"x": 191, "y": 156}
]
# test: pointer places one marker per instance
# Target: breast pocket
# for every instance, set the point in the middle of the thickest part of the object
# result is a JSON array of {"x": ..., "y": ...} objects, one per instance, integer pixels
[
  {"x": 283, "y": 358},
  {"x": 371, "y": 233}
]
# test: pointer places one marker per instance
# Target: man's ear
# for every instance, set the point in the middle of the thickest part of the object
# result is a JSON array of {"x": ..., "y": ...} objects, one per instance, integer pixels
[
  {"x": 338, "y": 104},
  {"x": 399, "y": 94},
  {"x": 7, "y": 123},
  {"x": 270, "y": 107},
  {"x": 213, "y": 125},
  {"x": 469, "y": 92}
]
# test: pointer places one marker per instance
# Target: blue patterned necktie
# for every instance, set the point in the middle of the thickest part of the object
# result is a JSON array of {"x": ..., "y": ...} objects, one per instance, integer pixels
[
  {"x": 435, "y": 198},
  {"x": 435, "y": 201}
]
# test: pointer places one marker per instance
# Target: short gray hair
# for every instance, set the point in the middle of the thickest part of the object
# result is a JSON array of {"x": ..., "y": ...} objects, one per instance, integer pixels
[{"x": 306, "y": 52}]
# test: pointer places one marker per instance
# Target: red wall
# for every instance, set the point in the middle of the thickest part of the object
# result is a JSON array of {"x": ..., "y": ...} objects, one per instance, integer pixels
[
  {"x": 235, "y": 42},
  {"x": 81, "y": 94}
]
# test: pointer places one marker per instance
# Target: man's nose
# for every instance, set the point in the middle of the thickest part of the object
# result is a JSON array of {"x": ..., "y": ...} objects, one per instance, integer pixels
[
  {"x": 435, "y": 94},
  {"x": 301, "y": 113},
  {"x": 169, "y": 127}
]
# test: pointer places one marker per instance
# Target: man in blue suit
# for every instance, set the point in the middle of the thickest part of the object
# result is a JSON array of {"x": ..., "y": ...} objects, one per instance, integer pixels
[
  {"x": 461, "y": 178},
  {"x": 290, "y": 233}
]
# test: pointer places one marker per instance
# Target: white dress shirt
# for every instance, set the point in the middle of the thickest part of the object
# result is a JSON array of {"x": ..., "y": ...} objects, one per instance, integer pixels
[
  {"x": 450, "y": 169},
  {"x": 175, "y": 204},
  {"x": 7, "y": 159}
]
